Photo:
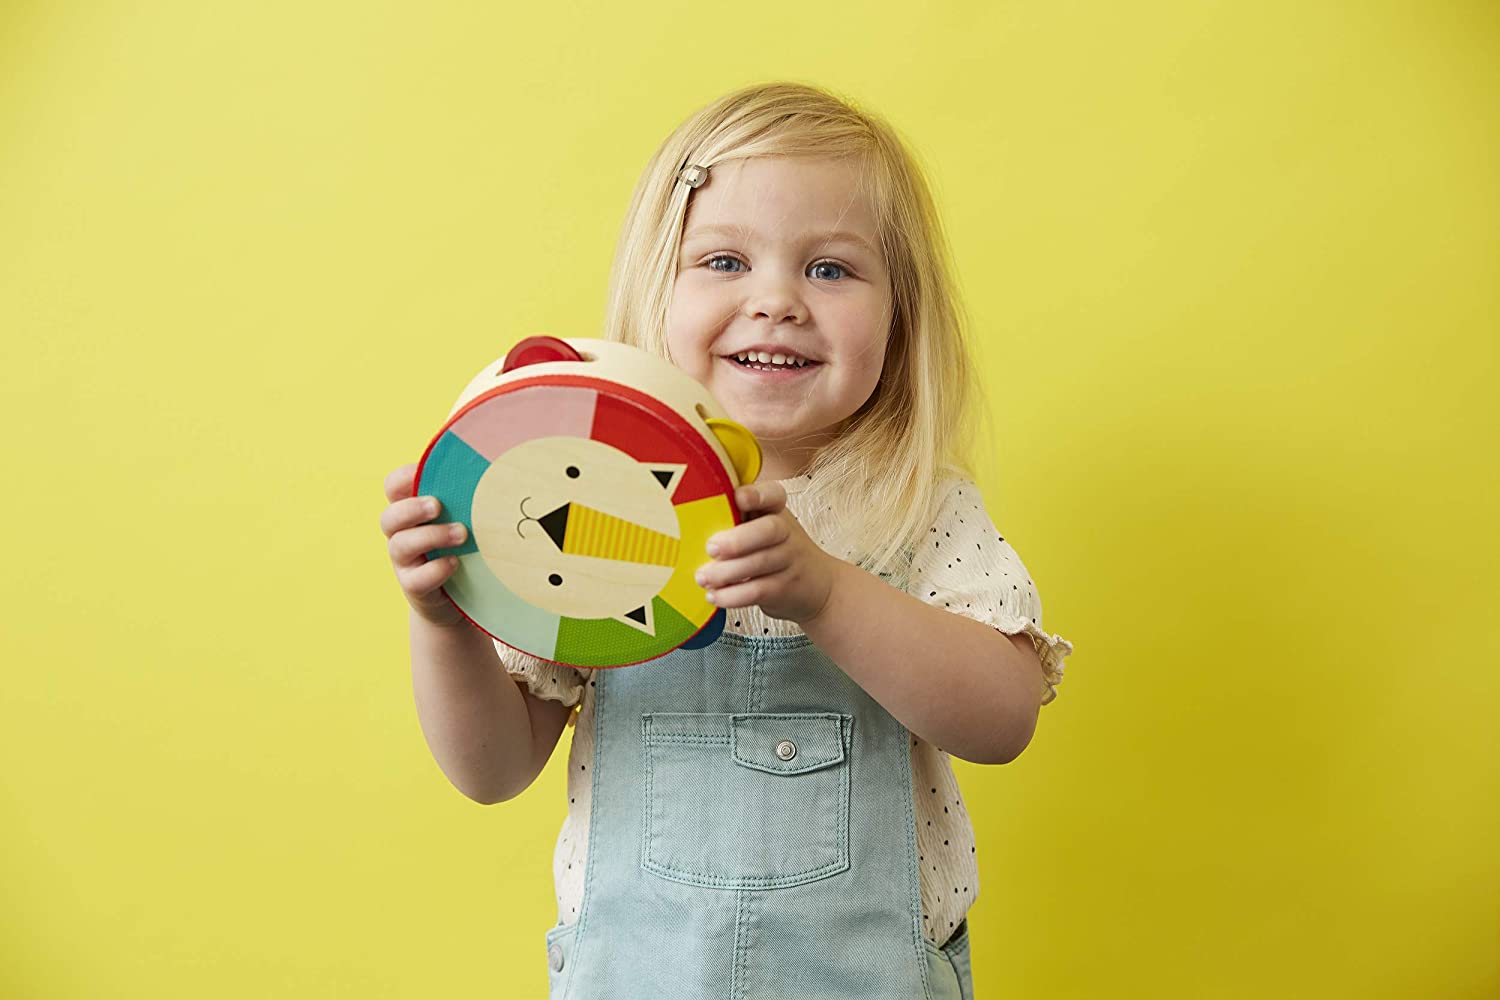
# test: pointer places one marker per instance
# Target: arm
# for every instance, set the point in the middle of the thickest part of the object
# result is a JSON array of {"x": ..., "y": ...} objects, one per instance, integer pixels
[
  {"x": 490, "y": 736},
  {"x": 957, "y": 683}
]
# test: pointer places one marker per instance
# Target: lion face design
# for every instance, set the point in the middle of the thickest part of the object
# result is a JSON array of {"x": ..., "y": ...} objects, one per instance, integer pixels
[{"x": 594, "y": 533}]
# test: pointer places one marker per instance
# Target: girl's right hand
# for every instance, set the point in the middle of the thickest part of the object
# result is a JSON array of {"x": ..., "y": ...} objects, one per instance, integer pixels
[{"x": 405, "y": 524}]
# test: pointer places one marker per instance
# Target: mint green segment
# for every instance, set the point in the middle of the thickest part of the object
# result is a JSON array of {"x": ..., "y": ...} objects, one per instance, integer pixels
[
  {"x": 499, "y": 612},
  {"x": 604, "y": 642}
]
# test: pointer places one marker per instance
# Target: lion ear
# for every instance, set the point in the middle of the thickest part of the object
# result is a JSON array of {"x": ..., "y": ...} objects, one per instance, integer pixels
[
  {"x": 743, "y": 449},
  {"x": 642, "y": 619},
  {"x": 537, "y": 350},
  {"x": 667, "y": 475}
]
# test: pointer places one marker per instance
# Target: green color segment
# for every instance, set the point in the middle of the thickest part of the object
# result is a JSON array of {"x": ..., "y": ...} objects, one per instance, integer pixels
[{"x": 604, "y": 642}]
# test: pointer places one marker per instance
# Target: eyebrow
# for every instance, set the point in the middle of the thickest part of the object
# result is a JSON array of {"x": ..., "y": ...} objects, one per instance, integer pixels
[{"x": 745, "y": 232}]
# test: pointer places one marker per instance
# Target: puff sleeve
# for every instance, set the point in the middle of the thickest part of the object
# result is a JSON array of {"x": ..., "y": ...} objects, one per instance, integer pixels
[
  {"x": 966, "y": 566},
  {"x": 543, "y": 678}
]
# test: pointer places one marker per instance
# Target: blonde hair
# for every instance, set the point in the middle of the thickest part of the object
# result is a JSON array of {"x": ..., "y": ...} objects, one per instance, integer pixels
[{"x": 888, "y": 462}]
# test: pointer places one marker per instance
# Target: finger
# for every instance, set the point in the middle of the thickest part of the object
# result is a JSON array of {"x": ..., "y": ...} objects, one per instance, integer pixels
[
  {"x": 743, "y": 595},
  {"x": 743, "y": 539},
  {"x": 760, "y": 498},
  {"x": 399, "y": 482},
  {"x": 410, "y": 546},
  {"x": 723, "y": 573},
  {"x": 426, "y": 577},
  {"x": 407, "y": 513}
]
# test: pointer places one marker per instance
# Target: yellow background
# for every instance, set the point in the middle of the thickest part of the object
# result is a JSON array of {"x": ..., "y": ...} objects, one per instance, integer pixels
[{"x": 1234, "y": 271}]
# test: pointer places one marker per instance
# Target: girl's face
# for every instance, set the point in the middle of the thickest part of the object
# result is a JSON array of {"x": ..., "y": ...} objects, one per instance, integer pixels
[{"x": 780, "y": 258}]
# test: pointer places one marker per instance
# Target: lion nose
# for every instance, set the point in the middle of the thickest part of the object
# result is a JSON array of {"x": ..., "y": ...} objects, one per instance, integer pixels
[{"x": 583, "y": 531}]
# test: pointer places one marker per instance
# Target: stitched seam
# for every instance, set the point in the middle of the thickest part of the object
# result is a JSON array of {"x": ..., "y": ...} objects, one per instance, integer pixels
[
  {"x": 764, "y": 641},
  {"x": 589, "y": 866},
  {"x": 741, "y": 946},
  {"x": 648, "y": 806},
  {"x": 656, "y": 738},
  {"x": 914, "y": 874},
  {"x": 718, "y": 882},
  {"x": 756, "y": 656},
  {"x": 812, "y": 765},
  {"x": 843, "y": 828},
  {"x": 794, "y": 716}
]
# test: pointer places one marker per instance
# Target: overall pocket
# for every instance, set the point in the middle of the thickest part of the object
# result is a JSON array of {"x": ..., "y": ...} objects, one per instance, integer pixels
[{"x": 751, "y": 801}]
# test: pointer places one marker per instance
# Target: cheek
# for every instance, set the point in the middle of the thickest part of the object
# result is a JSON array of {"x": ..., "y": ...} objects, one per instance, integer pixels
[
  {"x": 688, "y": 337},
  {"x": 693, "y": 310},
  {"x": 695, "y": 320},
  {"x": 868, "y": 312},
  {"x": 867, "y": 325}
]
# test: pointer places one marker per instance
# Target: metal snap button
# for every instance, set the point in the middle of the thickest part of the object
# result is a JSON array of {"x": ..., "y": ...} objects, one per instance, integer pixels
[
  {"x": 786, "y": 749},
  {"x": 555, "y": 957}
]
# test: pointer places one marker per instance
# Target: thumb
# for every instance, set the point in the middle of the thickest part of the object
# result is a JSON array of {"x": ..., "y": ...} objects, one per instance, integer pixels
[{"x": 760, "y": 498}]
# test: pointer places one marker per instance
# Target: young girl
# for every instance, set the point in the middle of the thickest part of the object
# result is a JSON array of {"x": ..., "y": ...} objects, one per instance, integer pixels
[{"x": 774, "y": 815}]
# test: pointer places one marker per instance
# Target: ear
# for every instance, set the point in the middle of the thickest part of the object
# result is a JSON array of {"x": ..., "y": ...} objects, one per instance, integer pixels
[
  {"x": 744, "y": 450},
  {"x": 537, "y": 350},
  {"x": 667, "y": 474},
  {"x": 642, "y": 619}
]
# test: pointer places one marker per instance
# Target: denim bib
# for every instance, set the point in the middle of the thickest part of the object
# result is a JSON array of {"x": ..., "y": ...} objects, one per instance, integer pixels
[{"x": 751, "y": 836}]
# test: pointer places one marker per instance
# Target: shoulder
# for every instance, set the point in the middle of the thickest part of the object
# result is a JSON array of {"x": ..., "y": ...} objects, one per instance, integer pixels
[
  {"x": 966, "y": 556},
  {"x": 958, "y": 500}
]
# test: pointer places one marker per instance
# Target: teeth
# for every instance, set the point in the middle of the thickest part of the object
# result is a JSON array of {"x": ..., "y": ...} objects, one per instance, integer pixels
[{"x": 766, "y": 358}]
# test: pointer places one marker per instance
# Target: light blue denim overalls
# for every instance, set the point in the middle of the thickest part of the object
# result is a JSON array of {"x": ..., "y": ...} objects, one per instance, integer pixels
[{"x": 751, "y": 837}]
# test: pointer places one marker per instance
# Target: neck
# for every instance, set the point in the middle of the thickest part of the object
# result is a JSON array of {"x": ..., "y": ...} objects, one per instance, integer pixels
[{"x": 785, "y": 459}]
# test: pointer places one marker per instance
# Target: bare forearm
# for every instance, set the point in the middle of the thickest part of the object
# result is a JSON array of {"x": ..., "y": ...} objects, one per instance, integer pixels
[
  {"x": 955, "y": 682},
  {"x": 473, "y": 715}
]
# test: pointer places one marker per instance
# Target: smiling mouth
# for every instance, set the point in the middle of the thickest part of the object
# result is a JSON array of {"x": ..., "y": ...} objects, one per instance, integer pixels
[{"x": 764, "y": 361}]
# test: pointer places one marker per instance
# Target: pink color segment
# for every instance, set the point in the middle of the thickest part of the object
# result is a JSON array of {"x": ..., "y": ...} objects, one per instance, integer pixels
[{"x": 496, "y": 425}]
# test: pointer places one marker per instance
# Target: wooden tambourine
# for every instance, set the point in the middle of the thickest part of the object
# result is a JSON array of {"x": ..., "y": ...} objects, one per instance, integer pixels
[{"x": 590, "y": 475}]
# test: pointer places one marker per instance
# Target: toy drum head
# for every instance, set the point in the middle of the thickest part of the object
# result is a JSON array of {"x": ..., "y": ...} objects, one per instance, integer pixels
[
  {"x": 567, "y": 553},
  {"x": 590, "y": 475}
]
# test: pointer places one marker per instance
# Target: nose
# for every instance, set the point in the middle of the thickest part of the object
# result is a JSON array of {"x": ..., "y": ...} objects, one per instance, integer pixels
[{"x": 776, "y": 299}]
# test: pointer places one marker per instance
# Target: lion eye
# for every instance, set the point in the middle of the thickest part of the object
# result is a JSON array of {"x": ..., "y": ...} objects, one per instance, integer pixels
[
  {"x": 555, "y": 580},
  {"x": 572, "y": 472}
]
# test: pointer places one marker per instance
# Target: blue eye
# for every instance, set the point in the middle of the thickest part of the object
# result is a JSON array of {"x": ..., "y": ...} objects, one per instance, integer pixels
[{"x": 839, "y": 269}]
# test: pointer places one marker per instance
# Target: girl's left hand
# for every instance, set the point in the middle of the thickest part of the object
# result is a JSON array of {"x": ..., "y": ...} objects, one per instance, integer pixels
[{"x": 768, "y": 560}]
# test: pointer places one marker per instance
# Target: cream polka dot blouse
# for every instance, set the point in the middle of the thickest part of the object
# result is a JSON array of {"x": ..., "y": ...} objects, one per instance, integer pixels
[{"x": 966, "y": 567}]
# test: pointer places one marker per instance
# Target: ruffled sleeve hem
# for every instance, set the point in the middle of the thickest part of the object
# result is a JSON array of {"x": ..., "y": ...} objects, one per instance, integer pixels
[
  {"x": 1051, "y": 649},
  {"x": 544, "y": 679}
]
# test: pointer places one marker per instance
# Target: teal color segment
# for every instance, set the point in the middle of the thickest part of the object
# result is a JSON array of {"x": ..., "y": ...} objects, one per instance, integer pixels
[
  {"x": 499, "y": 612},
  {"x": 451, "y": 473}
]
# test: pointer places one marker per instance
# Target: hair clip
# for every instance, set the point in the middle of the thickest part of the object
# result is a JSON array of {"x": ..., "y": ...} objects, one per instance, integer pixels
[{"x": 693, "y": 175}]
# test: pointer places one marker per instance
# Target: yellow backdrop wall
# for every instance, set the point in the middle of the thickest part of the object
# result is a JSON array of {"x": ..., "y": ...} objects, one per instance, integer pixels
[{"x": 1233, "y": 268}]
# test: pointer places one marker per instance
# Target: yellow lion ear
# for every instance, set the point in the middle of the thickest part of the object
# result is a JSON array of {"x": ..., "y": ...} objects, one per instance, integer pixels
[{"x": 743, "y": 449}]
